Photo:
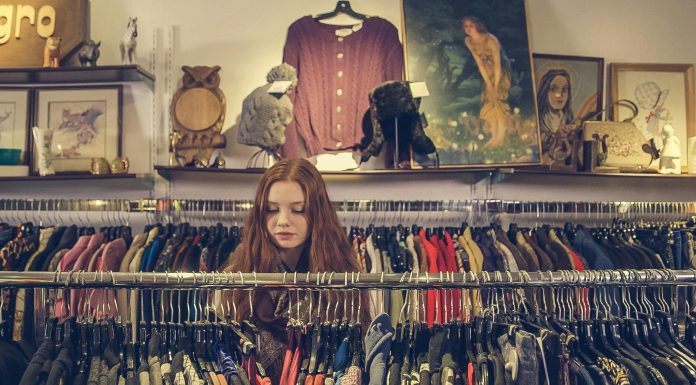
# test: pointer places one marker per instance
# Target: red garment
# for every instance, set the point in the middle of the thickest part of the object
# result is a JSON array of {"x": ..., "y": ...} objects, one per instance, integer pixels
[
  {"x": 470, "y": 380},
  {"x": 296, "y": 360},
  {"x": 309, "y": 380},
  {"x": 93, "y": 262},
  {"x": 431, "y": 250},
  {"x": 263, "y": 380},
  {"x": 108, "y": 260},
  {"x": 440, "y": 245},
  {"x": 82, "y": 263},
  {"x": 319, "y": 379},
  {"x": 579, "y": 267},
  {"x": 441, "y": 267},
  {"x": 113, "y": 255},
  {"x": 336, "y": 72},
  {"x": 68, "y": 260},
  {"x": 444, "y": 295},
  {"x": 451, "y": 259},
  {"x": 251, "y": 369},
  {"x": 577, "y": 261},
  {"x": 287, "y": 361}
]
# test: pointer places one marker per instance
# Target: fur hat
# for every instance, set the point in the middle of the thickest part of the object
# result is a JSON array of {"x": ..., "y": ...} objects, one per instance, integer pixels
[
  {"x": 265, "y": 116},
  {"x": 390, "y": 100}
]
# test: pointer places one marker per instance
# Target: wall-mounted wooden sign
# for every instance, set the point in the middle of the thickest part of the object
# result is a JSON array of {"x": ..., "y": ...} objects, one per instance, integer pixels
[{"x": 25, "y": 25}]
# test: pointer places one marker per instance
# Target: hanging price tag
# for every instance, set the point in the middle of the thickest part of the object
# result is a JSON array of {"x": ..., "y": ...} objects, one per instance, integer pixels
[
  {"x": 419, "y": 89},
  {"x": 279, "y": 87}
]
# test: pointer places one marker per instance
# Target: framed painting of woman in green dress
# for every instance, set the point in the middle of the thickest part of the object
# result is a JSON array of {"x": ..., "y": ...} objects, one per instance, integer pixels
[{"x": 474, "y": 57}]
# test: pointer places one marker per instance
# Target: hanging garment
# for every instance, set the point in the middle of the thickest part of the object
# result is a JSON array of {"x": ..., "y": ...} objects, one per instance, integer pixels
[
  {"x": 377, "y": 346},
  {"x": 335, "y": 76}
]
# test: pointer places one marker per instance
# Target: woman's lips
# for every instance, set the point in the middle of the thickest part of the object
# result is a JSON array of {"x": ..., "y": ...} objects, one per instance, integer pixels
[{"x": 284, "y": 235}]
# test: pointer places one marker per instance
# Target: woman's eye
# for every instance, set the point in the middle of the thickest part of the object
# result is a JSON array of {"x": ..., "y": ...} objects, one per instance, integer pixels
[
  {"x": 272, "y": 210},
  {"x": 298, "y": 210}
]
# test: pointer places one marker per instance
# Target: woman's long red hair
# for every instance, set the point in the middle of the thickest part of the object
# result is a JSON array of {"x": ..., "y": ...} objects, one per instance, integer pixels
[{"x": 329, "y": 248}]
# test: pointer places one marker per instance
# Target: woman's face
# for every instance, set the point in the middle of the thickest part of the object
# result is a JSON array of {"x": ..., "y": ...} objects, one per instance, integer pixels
[
  {"x": 469, "y": 27},
  {"x": 558, "y": 92},
  {"x": 285, "y": 215}
]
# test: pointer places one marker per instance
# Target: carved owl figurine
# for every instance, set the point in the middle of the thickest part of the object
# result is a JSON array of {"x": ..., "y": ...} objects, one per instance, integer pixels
[{"x": 198, "y": 112}]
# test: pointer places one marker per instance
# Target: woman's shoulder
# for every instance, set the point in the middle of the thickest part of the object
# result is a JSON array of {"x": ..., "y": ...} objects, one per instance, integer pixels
[
  {"x": 468, "y": 41},
  {"x": 492, "y": 40}
]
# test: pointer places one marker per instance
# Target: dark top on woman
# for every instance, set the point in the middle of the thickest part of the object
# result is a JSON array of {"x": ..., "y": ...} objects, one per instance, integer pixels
[{"x": 271, "y": 318}]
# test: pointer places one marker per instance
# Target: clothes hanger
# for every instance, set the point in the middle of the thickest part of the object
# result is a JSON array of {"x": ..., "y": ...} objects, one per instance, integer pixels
[
  {"x": 325, "y": 353},
  {"x": 315, "y": 333}
]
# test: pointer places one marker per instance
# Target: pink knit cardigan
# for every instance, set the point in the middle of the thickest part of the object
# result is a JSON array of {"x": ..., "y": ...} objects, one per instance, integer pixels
[{"x": 335, "y": 76}]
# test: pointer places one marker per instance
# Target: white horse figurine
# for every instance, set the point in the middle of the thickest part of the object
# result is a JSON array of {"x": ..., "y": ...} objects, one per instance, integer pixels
[{"x": 129, "y": 42}]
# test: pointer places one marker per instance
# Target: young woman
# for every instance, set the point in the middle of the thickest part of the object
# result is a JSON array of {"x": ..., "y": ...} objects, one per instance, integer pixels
[
  {"x": 495, "y": 72},
  {"x": 293, "y": 227}
]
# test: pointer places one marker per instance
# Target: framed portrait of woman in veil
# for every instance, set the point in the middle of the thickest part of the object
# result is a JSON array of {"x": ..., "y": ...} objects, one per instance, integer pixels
[
  {"x": 568, "y": 91},
  {"x": 474, "y": 57}
]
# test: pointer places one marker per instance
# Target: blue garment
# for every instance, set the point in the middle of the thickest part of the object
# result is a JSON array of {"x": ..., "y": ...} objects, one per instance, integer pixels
[
  {"x": 677, "y": 250},
  {"x": 593, "y": 253},
  {"x": 686, "y": 258},
  {"x": 341, "y": 360},
  {"x": 147, "y": 263},
  {"x": 6, "y": 236},
  {"x": 226, "y": 364},
  {"x": 688, "y": 242},
  {"x": 377, "y": 347}
]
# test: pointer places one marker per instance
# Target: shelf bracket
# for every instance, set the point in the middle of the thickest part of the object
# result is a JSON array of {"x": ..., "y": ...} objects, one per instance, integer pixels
[{"x": 501, "y": 175}]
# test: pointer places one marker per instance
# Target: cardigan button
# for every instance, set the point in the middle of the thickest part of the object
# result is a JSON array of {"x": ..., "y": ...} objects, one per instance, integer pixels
[
  {"x": 339, "y": 144},
  {"x": 340, "y": 74},
  {"x": 339, "y": 55},
  {"x": 339, "y": 92}
]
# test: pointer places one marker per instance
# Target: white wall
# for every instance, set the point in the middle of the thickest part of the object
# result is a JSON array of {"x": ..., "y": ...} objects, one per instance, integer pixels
[{"x": 246, "y": 38}]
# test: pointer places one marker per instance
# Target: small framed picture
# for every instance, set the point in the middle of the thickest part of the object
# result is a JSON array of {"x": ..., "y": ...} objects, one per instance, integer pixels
[
  {"x": 664, "y": 95},
  {"x": 15, "y": 109},
  {"x": 86, "y": 123},
  {"x": 569, "y": 90}
]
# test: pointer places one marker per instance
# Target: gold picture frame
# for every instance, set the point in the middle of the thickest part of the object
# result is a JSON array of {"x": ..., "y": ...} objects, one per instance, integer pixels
[
  {"x": 86, "y": 123},
  {"x": 480, "y": 112},
  {"x": 664, "y": 93}
]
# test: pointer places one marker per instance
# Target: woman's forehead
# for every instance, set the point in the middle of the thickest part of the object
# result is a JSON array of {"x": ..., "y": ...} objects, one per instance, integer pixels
[{"x": 285, "y": 192}]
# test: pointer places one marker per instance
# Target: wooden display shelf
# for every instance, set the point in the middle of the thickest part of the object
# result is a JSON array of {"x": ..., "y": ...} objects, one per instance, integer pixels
[
  {"x": 64, "y": 177},
  {"x": 506, "y": 173},
  {"x": 470, "y": 175},
  {"x": 76, "y": 75}
]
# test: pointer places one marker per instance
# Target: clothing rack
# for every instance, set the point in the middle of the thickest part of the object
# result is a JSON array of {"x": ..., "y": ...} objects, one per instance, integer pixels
[
  {"x": 180, "y": 280},
  {"x": 491, "y": 206}
]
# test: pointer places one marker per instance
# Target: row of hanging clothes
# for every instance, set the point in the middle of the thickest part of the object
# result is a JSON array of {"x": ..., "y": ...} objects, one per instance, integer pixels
[
  {"x": 160, "y": 247},
  {"x": 607, "y": 330},
  {"x": 596, "y": 335},
  {"x": 378, "y": 248},
  {"x": 183, "y": 247},
  {"x": 437, "y": 250},
  {"x": 101, "y": 349}
]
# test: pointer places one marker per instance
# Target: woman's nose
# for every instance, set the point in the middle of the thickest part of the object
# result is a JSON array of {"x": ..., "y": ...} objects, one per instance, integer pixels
[{"x": 283, "y": 218}]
